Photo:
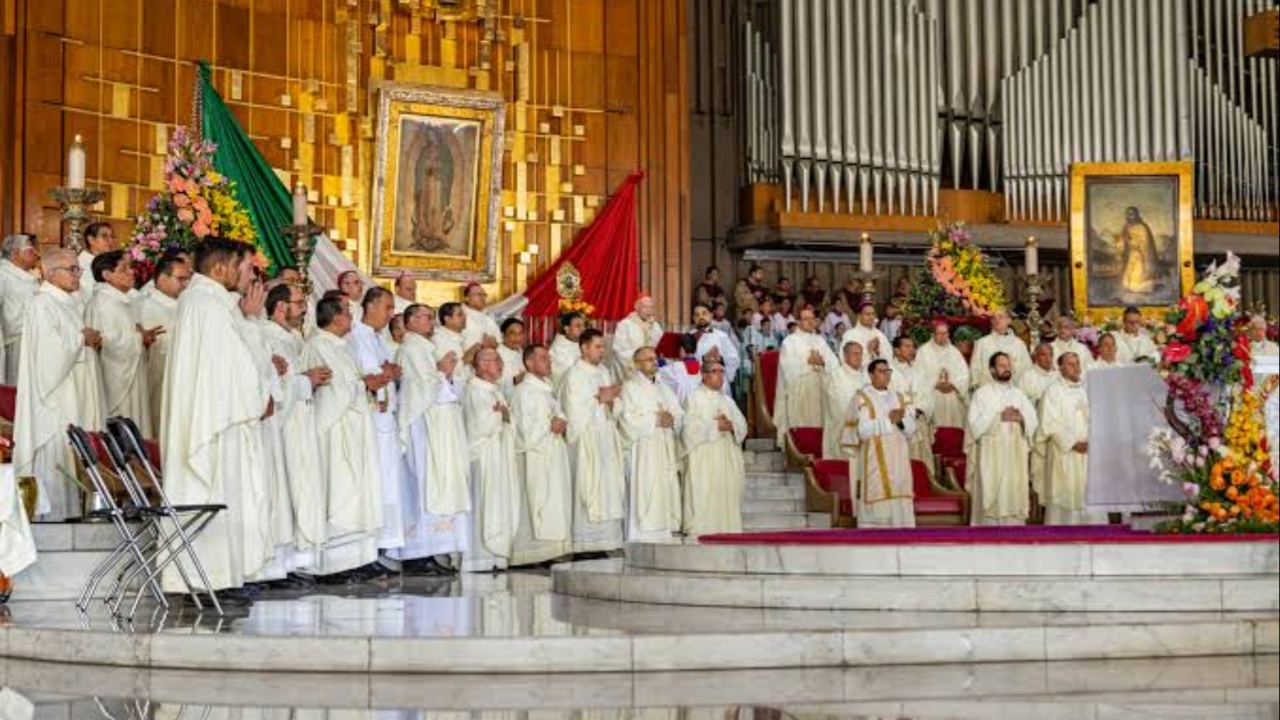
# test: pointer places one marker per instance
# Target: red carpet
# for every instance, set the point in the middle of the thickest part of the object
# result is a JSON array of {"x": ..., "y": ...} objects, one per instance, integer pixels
[{"x": 1031, "y": 535}]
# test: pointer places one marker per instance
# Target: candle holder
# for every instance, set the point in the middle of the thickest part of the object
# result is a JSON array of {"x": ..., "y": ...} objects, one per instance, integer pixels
[
  {"x": 75, "y": 204},
  {"x": 868, "y": 280},
  {"x": 1034, "y": 288},
  {"x": 303, "y": 244}
]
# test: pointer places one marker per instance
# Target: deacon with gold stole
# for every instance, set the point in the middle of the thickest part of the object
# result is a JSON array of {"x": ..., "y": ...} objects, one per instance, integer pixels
[{"x": 884, "y": 493}]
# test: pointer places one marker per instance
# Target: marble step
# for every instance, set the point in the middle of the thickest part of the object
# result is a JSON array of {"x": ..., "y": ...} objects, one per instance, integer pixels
[
  {"x": 771, "y": 506},
  {"x": 775, "y": 478},
  {"x": 775, "y": 521},
  {"x": 764, "y": 462},
  {"x": 774, "y": 492},
  {"x": 66, "y": 554},
  {"x": 761, "y": 445}
]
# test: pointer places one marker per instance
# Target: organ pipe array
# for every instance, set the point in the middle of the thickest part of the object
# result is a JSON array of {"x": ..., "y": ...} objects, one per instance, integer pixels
[{"x": 870, "y": 106}]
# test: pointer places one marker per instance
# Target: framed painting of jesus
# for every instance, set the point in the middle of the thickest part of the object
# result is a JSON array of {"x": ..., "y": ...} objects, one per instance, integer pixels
[
  {"x": 437, "y": 182},
  {"x": 1131, "y": 236}
]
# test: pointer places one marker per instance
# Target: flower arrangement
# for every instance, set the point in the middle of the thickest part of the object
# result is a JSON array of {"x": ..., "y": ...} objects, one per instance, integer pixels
[
  {"x": 197, "y": 201},
  {"x": 1214, "y": 446},
  {"x": 961, "y": 269},
  {"x": 582, "y": 307}
]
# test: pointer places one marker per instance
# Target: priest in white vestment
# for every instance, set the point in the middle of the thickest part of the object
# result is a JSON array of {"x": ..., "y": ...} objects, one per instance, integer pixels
[
  {"x": 884, "y": 495},
  {"x": 434, "y": 435},
  {"x": 352, "y": 289},
  {"x": 1259, "y": 345},
  {"x": 875, "y": 344},
  {"x": 99, "y": 237},
  {"x": 591, "y": 405},
  {"x": 650, "y": 421},
  {"x": 115, "y": 311},
  {"x": 348, "y": 444},
  {"x": 546, "y": 508},
  {"x": 18, "y": 284},
  {"x": 449, "y": 338},
  {"x": 944, "y": 377},
  {"x": 59, "y": 383},
  {"x": 159, "y": 309},
  {"x": 17, "y": 544},
  {"x": 712, "y": 339},
  {"x": 802, "y": 367},
  {"x": 637, "y": 330},
  {"x": 1002, "y": 423},
  {"x": 511, "y": 350},
  {"x": 1066, "y": 341},
  {"x": 714, "y": 472},
  {"x": 406, "y": 289},
  {"x": 481, "y": 329},
  {"x": 373, "y": 354},
  {"x": 214, "y": 404},
  {"x": 564, "y": 349},
  {"x": 294, "y": 416},
  {"x": 1133, "y": 342},
  {"x": 1108, "y": 354},
  {"x": 1000, "y": 339},
  {"x": 906, "y": 380},
  {"x": 495, "y": 478},
  {"x": 1035, "y": 382},
  {"x": 1065, "y": 423},
  {"x": 842, "y": 384},
  {"x": 685, "y": 375}
]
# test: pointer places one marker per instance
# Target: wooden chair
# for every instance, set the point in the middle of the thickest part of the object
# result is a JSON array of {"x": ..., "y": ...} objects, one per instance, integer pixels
[
  {"x": 949, "y": 457},
  {"x": 827, "y": 490},
  {"x": 934, "y": 503},
  {"x": 803, "y": 446}
]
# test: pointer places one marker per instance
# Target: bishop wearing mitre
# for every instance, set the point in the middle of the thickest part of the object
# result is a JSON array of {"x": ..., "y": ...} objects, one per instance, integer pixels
[
  {"x": 1065, "y": 425},
  {"x": 59, "y": 383},
  {"x": 650, "y": 421},
  {"x": 546, "y": 507},
  {"x": 348, "y": 445},
  {"x": 495, "y": 479},
  {"x": 944, "y": 377},
  {"x": 1002, "y": 423},
  {"x": 713, "y": 433},
  {"x": 591, "y": 404},
  {"x": 802, "y": 367},
  {"x": 159, "y": 309},
  {"x": 434, "y": 436},
  {"x": 294, "y": 417},
  {"x": 883, "y": 496},
  {"x": 841, "y": 385},
  {"x": 1035, "y": 381},
  {"x": 1000, "y": 339},
  {"x": 637, "y": 330},
  {"x": 213, "y": 450},
  {"x": 115, "y": 311}
]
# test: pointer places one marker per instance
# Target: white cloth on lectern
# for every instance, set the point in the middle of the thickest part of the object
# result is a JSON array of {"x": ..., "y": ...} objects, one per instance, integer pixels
[{"x": 1125, "y": 404}]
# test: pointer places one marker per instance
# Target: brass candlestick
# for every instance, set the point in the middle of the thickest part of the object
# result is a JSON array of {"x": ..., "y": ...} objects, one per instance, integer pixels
[
  {"x": 1034, "y": 288},
  {"x": 75, "y": 204},
  {"x": 303, "y": 244},
  {"x": 868, "y": 280}
]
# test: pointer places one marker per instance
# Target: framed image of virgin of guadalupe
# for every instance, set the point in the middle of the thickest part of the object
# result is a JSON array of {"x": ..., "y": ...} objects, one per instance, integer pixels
[
  {"x": 437, "y": 182},
  {"x": 1131, "y": 236}
]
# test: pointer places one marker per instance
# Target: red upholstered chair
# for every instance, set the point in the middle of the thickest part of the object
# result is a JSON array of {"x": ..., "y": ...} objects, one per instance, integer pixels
[
  {"x": 765, "y": 387},
  {"x": 669, "y": 346},
  {"x": 8, "y": 402},
  {"x": 934, "y": 504},
  {"x": 804, "y": 446},
  {"x": 827, "y": 490},
  {"x": 949, "y": 457}
]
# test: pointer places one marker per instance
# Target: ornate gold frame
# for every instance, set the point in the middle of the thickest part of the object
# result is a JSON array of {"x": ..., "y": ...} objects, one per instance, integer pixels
[
  {"x": 1080, "y": 172},
  {"x": 398, "y": 99}
]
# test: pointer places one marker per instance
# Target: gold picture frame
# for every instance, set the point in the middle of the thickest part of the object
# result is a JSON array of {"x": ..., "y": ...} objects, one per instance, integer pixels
[
  {"x": 437, "y": 182},
  {"x": 1131, "y": 237}
]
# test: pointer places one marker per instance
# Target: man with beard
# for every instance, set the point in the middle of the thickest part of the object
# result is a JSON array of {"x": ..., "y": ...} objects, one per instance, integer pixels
[
  {"x": 564, "y": 349},
  {"x": 750, "y": 291},
  {"x": 709, "y": 337},
  {"x": 1002, "y": 422}
]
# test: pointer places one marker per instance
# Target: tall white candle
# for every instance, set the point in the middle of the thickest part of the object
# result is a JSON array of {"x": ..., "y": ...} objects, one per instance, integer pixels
[
  {"x": 76, "y": 164},
  {"x": 300, "y": 205},
  {"x": 866, "y": 263},
  {"x": 1033, "y": 257}
]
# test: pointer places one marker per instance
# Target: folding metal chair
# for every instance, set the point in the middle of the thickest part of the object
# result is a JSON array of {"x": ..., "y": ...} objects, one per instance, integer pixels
[
  {"x": 130, "y": 549},
  {"x": 175, "y": 544}
]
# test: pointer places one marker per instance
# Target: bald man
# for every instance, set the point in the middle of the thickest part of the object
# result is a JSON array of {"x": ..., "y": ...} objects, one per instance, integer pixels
[{"x": 637, "y": 330}]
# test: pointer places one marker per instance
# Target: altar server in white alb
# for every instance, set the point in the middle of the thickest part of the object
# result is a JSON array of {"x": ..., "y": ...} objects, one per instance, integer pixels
[
  {"x": 1065, "y": 423},
  {"x": 637, "y": 330},
  {"x": 1039, "y": 378},
  {"x": 59, "y": 383},
  {"x": 434, "y": 435},
  {"x": 875, "y": 344},
  {"x": 160, "y": 310},
  {"x": 884, "y": 494},
  {"x": 1133, "y": 343},
  {"x": 651, "y": 420},
  {"x": 564, "y": 349},
  {"x": 348, "y": 445},
  {"x": 115, "y": 311},
  {"x": 842, "y": 384},
  {"x": 18, "y": 284},
  {"x": 1002, "y": 422},
  {"x": 802, "y": 367},
  {"x": 944, "y": 377},
  {"x": 295, "y": 425},
  {"x": 712, "y": 438},
  {"x": 542, "y": 455},
  {"x": 495, "y": 479},
  {"x": 212, "y": 440},
  {"x": 591, "y": 403},
  {"x": 711, "y": 339},
  {"x": 1000, "y": 339}
]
